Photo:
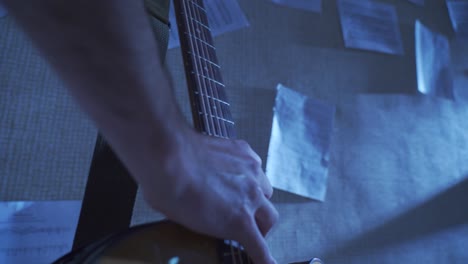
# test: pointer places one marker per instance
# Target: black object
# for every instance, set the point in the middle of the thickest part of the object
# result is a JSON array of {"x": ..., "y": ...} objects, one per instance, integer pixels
[{"x": 109, "y": 197}]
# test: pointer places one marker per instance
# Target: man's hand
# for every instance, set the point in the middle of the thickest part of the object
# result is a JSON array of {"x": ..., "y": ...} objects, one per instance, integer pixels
[{"x": 216, "y": 187}]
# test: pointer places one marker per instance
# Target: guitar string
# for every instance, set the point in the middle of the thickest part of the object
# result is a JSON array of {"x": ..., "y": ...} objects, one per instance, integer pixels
[
  {"x": 205, "y": 51},
  {"x": 202, "y": 107},
  {"x": 210, "y": 68},
  {"x": 202, "y": 51},
  {"x": 233, "y": 255},
  {"x": 208, "y": 124},
  {"x": 199, "y": 66},
  {"x": 195, "y": 45}
]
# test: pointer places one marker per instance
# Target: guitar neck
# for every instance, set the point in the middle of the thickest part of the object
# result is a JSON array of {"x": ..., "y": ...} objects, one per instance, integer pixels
[{"x": 210, "y": 109}]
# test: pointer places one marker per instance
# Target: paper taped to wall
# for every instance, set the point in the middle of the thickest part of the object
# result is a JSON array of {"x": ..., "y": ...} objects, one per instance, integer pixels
[
  {"x": 458, "y": 10},
  {"x": 310, "y": 5},
  {"x": 370, "y": 26},
  {"x": 433, "y": 62},
  {"x": 223, "y": 16},
  {"x": 37, "y": 232},
  {"x": 300, "y": 138}
]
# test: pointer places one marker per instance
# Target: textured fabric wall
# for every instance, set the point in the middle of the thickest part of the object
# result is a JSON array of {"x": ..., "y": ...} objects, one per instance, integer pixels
[{"x": 399, "y": 161}]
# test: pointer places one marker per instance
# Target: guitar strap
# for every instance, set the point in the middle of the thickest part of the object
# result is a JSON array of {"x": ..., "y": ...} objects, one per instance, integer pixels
[{"x": 110, "y": 191}]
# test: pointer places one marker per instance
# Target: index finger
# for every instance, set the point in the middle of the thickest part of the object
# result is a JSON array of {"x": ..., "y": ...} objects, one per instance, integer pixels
[{"x": 255, "y": 244}]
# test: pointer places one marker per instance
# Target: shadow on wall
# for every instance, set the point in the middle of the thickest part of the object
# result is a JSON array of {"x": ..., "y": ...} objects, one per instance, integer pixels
[{"x": 446, "y": 210}]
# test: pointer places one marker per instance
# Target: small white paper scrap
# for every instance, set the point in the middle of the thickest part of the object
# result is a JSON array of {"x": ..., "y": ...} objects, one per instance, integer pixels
[
  {"x": 37, "y": 232},
  {"x": 433, "y": 62},
  {"x": 223, "y": 16},
  {"x": 300, "y": 138},
  {"x": 310, "y": 5},
  {"x": 370, "y": 25},
  {"x": 417, "y": 2},
  {"x": 458, "y": 10}
]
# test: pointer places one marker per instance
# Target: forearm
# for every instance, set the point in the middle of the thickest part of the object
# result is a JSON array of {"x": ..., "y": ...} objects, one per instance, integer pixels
[{"x": 106, "y": 53}]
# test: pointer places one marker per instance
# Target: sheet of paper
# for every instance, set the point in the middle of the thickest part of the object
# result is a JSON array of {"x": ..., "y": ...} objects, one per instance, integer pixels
[
  {"x": 300, "y": 137},
  {"x": 458, "y": 10},
  {"x": 223, "y": 16},
  {"x": 417, "y": 2},
  {"x": 433, "y": 62},
  {"x": 37, "y": 232},
  {"x": 310, "y": 5},
  {"x": 370, "y": 25}
]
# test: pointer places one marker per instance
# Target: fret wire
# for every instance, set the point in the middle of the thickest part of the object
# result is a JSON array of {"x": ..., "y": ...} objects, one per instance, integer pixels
[
  {"x": 201, "y": 40},
  {"x": 216, "y": 73},
  {"x": 198, "y": 5},
  {"x": 216, "y": 110},
  {"x": 214, "y": 98},
  {"x": 226, "y": 110},
  {"x": 209, "y": 79},
  {"x": 201, "y": 24},
  {"x": 202, "y": 81},
  {"x": 216, "y": 124},
  {"x": 208, "y": 38},
  {"x": 208, "y": 124},
  {"x": 211, "y": 71},
  {"x": 219, "y": 118},
  {"x": 209, "y": 61},
  {"x": 231, "y": 131}
]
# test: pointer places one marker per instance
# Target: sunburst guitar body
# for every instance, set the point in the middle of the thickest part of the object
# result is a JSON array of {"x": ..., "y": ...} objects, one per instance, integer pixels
[{"x": 162, "y": 242}]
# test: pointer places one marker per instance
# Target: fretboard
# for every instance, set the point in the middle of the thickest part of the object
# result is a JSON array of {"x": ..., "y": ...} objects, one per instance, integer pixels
[{"x": 210, "y": 108}]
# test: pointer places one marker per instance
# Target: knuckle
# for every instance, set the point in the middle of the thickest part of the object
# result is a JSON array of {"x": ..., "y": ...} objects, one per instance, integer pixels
[
  {"x": 255, "y": 166},
  {"x": 274, "y": 217},
  {"x": 254, "y": 193},
  {"x": 257, "y": 158},
  {"x": 242, "y": 218},
  {"x": 242, "y": 144},
  {"x": 269, "y": 191}
]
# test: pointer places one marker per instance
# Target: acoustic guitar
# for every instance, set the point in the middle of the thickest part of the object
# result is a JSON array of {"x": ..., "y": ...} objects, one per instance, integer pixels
[{"x": 166, "y": 242}]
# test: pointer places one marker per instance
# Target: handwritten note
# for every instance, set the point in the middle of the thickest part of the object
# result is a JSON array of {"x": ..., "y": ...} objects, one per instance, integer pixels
[
  {"x": 370, "y": 26},
  {"x": 37, "y": 232},
  {"x": 223, "y": 16},
  {"x": 310, "y": 5},
  {"x": 433, "y": 62},
  {"x": 300, "y": 137},
  {"x": 458, "y": 10}
]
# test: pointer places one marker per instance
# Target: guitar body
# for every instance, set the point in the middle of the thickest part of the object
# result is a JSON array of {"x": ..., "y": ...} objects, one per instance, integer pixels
[{"x": 160, "y": 242}]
